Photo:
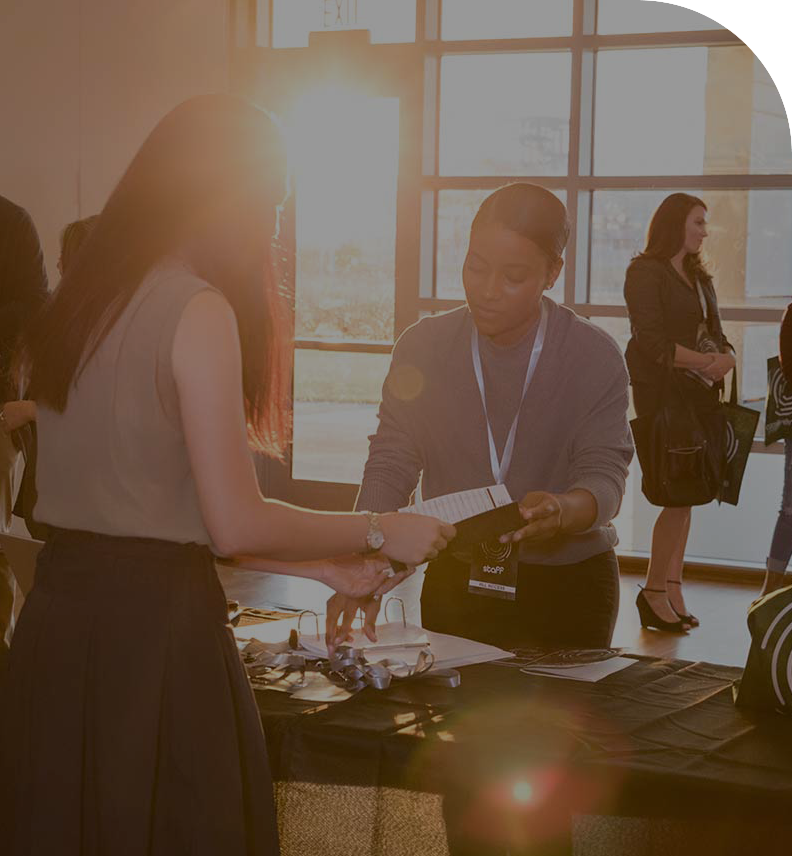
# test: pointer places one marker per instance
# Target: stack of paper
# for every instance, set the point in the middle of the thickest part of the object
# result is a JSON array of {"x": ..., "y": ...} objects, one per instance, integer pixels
[{"x": 455, "y": 507}]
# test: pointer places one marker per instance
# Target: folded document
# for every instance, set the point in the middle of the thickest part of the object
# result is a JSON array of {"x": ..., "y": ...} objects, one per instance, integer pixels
[{"x": 481, "y": 514}]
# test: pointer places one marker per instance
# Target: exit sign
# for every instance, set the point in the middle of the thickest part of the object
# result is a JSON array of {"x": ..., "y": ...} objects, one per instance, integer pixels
[{"x": 339, "y": 14}]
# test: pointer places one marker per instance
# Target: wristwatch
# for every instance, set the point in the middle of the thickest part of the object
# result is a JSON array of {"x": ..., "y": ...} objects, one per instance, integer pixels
[{"x": 375, "y": 537}]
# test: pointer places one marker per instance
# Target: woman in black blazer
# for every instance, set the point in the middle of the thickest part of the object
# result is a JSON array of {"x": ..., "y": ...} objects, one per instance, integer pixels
[
  {"x": 674, "y": 317},
  {"x": 781, "y": 545}
]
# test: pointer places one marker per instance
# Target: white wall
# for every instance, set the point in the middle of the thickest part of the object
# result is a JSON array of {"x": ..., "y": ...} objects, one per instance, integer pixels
[{"x": 83, "y": 82}]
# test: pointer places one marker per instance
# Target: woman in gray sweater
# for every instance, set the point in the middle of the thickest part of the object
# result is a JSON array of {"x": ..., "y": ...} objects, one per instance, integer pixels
[{"x": 514, "y": 389}]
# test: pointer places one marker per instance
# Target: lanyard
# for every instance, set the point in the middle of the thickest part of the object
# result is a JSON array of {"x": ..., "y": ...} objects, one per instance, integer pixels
[
  {"x": 702, "y": 301},
  {"x": 501, "y": 467}
]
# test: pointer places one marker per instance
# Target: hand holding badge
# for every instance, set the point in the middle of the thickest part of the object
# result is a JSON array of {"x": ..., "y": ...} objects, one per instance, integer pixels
[
  {"x": 493, "y": 569},
  {"x": 543, "y": 514}
]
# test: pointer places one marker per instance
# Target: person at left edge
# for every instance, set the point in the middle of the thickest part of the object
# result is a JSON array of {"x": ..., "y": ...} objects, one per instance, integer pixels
[
  {"x": 23, "y": 288},
  {"x": 572, "y": 444}
]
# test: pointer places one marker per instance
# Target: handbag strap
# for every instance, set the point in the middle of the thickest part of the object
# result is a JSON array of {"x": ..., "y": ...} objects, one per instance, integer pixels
[{"x": 733, "y": 394}]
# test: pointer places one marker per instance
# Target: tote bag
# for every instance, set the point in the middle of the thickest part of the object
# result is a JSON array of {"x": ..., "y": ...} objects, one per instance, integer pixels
[
  {"x": 778, "y": 424},
  {"x": 741, "y": 425}
]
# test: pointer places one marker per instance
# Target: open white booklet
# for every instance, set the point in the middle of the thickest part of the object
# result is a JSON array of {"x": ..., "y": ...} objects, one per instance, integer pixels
[
  {"x": 396, "y": 641},
  {"x": 455, "y": 507}
]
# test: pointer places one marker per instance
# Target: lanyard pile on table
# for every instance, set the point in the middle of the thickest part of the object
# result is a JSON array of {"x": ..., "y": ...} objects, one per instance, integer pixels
[{"x": 292, "y": 669}]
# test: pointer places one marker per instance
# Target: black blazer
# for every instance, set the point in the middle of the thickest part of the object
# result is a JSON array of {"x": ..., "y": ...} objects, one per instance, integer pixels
[{"x": 664, "y": 311}]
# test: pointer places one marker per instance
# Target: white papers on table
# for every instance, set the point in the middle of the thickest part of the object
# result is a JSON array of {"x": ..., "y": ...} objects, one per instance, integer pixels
[
  {"x": 451, "y": 652},
  {"x": 589, "y": 672},
  {"x": 453, "y": 507},
  {"x": 397, "y": 642},
  {"x": 394, "y": 642}
]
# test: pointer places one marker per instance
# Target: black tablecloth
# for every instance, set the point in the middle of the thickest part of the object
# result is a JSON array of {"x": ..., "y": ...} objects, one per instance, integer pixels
[{"x": 661, "y": 737}]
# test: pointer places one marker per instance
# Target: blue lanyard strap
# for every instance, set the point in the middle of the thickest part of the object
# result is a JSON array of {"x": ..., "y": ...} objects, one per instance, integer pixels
[{"x": 501, "y": 467}]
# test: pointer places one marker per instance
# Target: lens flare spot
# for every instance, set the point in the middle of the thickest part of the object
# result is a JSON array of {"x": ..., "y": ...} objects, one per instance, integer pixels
[{"x": 522, "y": 792}]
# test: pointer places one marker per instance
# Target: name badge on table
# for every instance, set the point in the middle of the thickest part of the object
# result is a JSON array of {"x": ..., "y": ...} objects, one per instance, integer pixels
[{"x": 493, "y": 571}]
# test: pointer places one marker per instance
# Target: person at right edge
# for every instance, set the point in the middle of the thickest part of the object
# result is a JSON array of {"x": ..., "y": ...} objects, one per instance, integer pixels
[
  {"x": 781, "y": 545},
  {"x": 673, "y": 313},
  {"x": 514, "y": 389}
]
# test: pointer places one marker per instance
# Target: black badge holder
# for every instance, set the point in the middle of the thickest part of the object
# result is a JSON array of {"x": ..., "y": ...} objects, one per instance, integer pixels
[
  {"x": 487, "y": 526},
  {"x": 493, "y": 566}
]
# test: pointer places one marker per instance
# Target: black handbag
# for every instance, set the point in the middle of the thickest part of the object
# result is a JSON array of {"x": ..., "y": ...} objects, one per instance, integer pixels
[
  {"x": 680, "y": 450},
  {"x": 741, "y": 425}
]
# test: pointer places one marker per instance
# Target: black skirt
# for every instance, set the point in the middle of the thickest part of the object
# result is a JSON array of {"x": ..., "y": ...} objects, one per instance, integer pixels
[
  {"x": 556, "y": 606},
  {"x": 130, "y": 727}
]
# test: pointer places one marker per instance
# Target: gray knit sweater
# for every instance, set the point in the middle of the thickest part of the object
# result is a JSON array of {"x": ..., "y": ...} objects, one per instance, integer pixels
[{"x": 572, "y": 433}]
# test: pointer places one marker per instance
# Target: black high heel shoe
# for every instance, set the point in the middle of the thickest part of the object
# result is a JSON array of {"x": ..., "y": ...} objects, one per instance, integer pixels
[
  {"x": 688, "y": 619},
  {"x": 649, "y": 618}
]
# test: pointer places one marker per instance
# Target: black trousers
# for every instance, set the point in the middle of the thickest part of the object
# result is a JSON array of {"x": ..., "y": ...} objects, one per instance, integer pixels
[{"x": 572, "y": 606}]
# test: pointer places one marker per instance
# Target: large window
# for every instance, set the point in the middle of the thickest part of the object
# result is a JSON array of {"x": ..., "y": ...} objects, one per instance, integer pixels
[
  {"x": 612, "y": 105},
  {"x": 522, "y": 131}
]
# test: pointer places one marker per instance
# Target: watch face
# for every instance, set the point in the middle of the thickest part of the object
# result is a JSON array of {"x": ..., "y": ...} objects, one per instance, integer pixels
[{"x": 376, "y": 539}]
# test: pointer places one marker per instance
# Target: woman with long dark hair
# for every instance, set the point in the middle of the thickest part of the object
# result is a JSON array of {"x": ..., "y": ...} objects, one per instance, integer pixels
[
  {"x": 156, "y": 365},
  {"x": 674, "y": 321}
]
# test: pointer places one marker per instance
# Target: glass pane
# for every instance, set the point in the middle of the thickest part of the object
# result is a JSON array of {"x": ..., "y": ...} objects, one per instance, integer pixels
[
  {"x": 688, "y": 111},
  {"x": 456, "y": 209},
  {"x": 748, "y": 249},
  {"x": 506, "y": 19},
  {"x": 336, "y": 396},
  {"x": 720, "y": 534},
  {"x": 777, "y": 60},
  {"x": 505, "y": 114},
  {"x": 345, "y": 151},
  {"x": 293, "y": 20},
  {"x": 629, "y": 16}
]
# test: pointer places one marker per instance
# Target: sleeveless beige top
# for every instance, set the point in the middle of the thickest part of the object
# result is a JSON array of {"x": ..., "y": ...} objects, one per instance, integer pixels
[{"x": 115, "y": 461}]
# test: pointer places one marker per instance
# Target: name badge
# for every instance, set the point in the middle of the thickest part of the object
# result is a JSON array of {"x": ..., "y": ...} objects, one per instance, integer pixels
[{"x": 493, "y": 571}]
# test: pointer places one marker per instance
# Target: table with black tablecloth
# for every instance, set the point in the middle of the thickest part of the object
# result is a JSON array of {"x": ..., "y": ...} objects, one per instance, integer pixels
[{"x": 509, "y": 751}]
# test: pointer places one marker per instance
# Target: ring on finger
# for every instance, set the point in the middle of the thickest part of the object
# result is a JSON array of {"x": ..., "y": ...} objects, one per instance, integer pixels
[{"x": 389, "y": 573}]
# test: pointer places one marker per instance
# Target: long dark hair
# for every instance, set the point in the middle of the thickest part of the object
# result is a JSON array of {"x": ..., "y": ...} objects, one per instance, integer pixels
[
  {"x": 666, "y": 235},
  {"x": 213, "y": 161}
]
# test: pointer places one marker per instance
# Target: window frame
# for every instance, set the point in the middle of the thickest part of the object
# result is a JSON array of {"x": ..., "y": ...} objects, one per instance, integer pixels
[{"x": 250, "y": 27}]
